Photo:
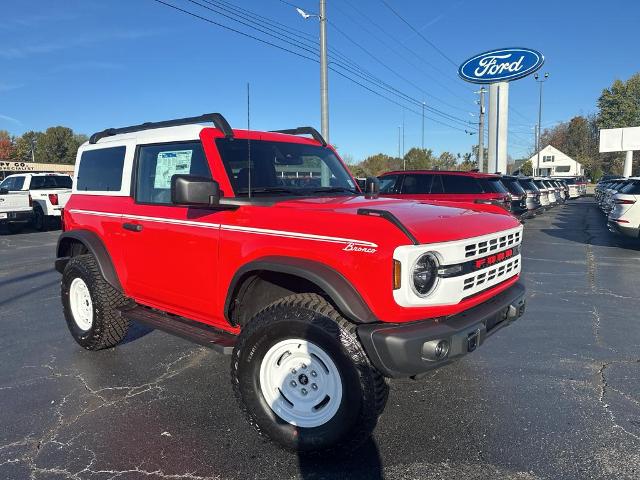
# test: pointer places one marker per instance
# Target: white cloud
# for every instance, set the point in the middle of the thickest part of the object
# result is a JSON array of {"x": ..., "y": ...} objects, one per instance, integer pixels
[{"x": 7, "y": 118}]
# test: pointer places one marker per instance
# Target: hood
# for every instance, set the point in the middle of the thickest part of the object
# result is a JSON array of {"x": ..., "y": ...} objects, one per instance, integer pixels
[{"x": 429, "y": 222}]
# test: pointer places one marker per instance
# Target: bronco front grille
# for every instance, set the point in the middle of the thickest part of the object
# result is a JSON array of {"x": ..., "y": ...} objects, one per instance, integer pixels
[
  {"x": 490, "y": 275},
  {"x": 491, "y": 245}
]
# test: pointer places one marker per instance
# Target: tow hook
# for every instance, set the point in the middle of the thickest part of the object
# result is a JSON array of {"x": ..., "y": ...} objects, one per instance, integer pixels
[{"x": 473, "y": 339}]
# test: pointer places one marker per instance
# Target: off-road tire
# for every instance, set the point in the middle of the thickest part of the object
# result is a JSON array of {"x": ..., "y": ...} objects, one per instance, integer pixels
[
  {"x": 309, "y": 317},
  {"x": 108, "y": 327}
]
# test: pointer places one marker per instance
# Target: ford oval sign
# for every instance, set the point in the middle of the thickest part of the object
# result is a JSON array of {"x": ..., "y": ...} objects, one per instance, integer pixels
[{"x": 501, "y": 65}]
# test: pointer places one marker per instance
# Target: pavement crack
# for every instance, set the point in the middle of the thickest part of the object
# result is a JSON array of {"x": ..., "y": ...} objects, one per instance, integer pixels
[{"x": 603, "y": 388}]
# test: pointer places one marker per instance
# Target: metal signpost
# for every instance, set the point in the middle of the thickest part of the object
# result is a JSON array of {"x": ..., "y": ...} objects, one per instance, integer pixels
[
  {"x": 498, "y": 68},
  {"x": 621, "y": 140}
]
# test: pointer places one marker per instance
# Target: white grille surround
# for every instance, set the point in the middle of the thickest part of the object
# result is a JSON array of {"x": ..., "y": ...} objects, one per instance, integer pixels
[{"x": 452, "y": 290}]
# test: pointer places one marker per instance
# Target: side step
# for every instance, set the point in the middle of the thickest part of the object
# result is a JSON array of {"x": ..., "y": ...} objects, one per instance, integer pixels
[{"x": 197, "y": 332}]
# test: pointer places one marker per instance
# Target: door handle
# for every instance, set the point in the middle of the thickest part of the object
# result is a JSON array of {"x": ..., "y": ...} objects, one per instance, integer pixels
[{"x": 134, "y": 227}]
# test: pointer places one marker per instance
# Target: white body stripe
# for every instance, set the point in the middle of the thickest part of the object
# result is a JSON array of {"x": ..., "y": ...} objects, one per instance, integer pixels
[{"x": 232, "y": 228}]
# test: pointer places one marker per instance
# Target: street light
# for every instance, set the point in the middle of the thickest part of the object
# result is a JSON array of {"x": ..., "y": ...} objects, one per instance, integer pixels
[
  {"x": 540, "y": 82},
  {"x": 324, "y": 77}
]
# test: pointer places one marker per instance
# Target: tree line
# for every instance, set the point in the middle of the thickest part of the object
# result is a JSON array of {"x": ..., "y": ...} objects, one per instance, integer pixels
[
  {"x": 54, "y": 145},
  {"x": 618, "y": 106}
]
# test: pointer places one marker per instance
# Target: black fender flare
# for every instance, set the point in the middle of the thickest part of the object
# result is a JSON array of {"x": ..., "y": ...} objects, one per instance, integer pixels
[
  {"x": 345, "y": 297},
  {"x": 95, "y": 246}
]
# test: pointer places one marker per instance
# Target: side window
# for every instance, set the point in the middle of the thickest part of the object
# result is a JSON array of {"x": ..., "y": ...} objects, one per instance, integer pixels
[
  {"x": 37, "y": 183},
  {"x": 101, "y": 170},
  {"x": 460, "y": 184},
  {"x": 157, "y": 164},
  {"x": 18, "y": 183},
  {"x": 417, "y": 184},
  {"x": 7, "y": 183},
  {"x": 632, "y": 188},
  {"x": 389, "y": 184},
  {"x": 436, "y": 187}
]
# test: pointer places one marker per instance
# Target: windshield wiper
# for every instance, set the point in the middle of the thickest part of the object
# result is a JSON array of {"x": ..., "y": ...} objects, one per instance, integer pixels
[
  {"x": 334, "y": 189},
  {"x": 293, "y": 191}
]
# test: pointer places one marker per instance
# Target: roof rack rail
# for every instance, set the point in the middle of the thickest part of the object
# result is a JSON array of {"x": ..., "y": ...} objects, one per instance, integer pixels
[
  {"x": 304, "y": 131},
  {"x": 216, "y": 118}
]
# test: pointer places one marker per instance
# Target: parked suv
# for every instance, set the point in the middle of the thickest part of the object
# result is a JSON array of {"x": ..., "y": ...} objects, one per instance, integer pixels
[
  {"x": 624, "y": 217},
  {"x": 534, "y": 204},
  {"x": 450, "y": 186},
  {"x": 260, "y": 245},
  {"x": 518, "y": 196},
  {"x": 49, "y": 193}
]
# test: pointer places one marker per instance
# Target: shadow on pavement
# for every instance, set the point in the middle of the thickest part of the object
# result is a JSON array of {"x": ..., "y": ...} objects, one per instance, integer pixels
[
  {"x": 136, "y": 331},
  {"x": 364, "y": 463}
]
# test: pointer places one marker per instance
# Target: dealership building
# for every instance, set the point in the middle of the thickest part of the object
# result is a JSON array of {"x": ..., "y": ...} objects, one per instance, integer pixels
[
  {"x": 9, "y": 168},
  {"x": 554, "y": 163}
]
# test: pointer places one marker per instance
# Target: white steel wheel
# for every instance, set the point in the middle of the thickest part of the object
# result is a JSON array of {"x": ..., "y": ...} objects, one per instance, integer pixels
[
  {"x": 81, "y": 304},
  {"x": 301, "y": 383}
]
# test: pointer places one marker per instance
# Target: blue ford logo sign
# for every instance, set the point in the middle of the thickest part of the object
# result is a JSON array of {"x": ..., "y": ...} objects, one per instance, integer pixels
[{"x": 501, "y": 65}]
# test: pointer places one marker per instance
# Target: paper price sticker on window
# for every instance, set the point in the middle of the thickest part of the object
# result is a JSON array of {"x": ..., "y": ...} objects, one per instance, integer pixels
[{"x": 170, "y": 164}]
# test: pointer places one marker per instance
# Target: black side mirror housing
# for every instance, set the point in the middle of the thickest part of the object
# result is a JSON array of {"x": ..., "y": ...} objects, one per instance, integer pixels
[
  {"x": 372, "y": 187},
  {"x": 194, "y": 191},
  {"x": 4, "y": 191}
]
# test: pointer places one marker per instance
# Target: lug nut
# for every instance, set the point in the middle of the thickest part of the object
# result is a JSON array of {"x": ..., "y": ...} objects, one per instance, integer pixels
[
  {"x": 294, "y": 371},
  {"x": 293, "y": 383},
  {"x": 314, "y": 386},
  {"x": 313, "y": 373},
  {"x": 304, "y": 367},
  {"x": 304, "y": 391}
]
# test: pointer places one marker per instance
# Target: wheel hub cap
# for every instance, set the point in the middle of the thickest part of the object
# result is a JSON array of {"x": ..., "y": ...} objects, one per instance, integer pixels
[
  {"x": 81, "y": 304},
  {"x": 301, "y": 383}
]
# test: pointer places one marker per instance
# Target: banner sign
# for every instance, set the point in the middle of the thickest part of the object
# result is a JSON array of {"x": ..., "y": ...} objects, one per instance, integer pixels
[{"x": 501, "y": 65}]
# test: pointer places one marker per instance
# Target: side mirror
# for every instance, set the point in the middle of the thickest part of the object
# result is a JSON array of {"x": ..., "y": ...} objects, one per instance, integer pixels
[
  {"x": 371, "y": 187},
  {"x": 4, "y": 191},
  {"x": 191, "y": 190}
]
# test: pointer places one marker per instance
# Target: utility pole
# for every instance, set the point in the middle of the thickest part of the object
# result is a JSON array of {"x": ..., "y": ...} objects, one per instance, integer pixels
[
  {"x": 423, "y": 105},
  {"x": 399, "y": 143},
  {"x": 540, "y": 82},
  {"x": 324, "y": 77},
  {"x": 403, "y": 134},
  {"x": 481, "y": 131}
]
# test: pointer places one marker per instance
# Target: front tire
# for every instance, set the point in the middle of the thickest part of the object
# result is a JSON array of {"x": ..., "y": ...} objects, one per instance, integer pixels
[
  {"x": 303, "y": 379},
  {"x": 92, "y": 306}
]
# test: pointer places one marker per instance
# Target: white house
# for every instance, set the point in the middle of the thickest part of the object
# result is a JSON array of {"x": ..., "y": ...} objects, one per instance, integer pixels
[{"x": 554, "y": 163}]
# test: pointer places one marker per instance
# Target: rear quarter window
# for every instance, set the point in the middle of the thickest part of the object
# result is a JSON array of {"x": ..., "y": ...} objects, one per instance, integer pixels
[
  {"x": 513, "y": 186},
  {"x": 100, "y": 170},
  {"x": 492, "y": 185}
]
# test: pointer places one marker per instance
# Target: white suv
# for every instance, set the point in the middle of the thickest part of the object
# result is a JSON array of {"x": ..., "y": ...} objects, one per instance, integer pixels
[
  {"x": 624, "y": 217},
  {"x": 49, "y": 193}
]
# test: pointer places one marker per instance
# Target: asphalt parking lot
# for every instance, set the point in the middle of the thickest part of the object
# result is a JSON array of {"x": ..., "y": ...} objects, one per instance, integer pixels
[{"x": 556, "y": 395}]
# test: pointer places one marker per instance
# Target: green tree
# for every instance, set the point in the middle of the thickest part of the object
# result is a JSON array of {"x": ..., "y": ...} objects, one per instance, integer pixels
[
  {"x": 419, "y": 159},
  {"x": 526, "y": 168},
  {"x": 24, "y": 144},
  {"x": 446, "y": 161},
  {"x": 58, "y": 145},
  {"x": 468, "y": 163},
  {"x": 379, "y": 163}
]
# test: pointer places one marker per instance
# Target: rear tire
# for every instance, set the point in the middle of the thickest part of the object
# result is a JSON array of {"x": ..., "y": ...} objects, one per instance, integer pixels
[
  {"x": 302, "y": 378},
  {"x": 92, "y": 306},
  {"x": 39, "y": 219}
]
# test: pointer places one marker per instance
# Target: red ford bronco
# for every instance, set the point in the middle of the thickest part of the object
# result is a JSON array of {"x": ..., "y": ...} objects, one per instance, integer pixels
[{"x": 260, "y": 245}]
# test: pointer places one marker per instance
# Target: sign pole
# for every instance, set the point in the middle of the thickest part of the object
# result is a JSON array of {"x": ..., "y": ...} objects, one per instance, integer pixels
[
  {"x": 493, "y": 127},
  {"x": 628, "y": 163},
  {"x": 503, "y": 127}
]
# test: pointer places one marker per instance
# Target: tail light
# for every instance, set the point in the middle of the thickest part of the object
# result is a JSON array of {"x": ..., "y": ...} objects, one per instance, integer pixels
[
  {"x": 53, "y": 198},
  {"x": 30, "y": 201},
  {"x": 620, "y": 201}
]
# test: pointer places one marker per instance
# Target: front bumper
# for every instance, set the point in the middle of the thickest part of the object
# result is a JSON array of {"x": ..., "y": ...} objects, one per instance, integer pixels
[
  {"x": 17, "y": 217},
  {"x": 402, "y": 350},
  {"x": 623, "y": 229}
]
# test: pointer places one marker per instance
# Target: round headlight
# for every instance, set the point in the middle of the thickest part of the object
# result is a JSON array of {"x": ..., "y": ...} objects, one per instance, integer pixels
[{"x": 424, "y": 274}]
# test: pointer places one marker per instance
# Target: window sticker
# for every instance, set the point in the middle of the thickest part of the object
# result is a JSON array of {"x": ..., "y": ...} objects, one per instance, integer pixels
[{"x": 170, "y": 164}]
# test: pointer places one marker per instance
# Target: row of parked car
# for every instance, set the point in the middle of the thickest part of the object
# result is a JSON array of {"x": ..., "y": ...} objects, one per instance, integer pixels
[
  {"x": 33, "y": 198},
  {"x": 619, "y": 199},
  {"x": 523, "y": 196}
]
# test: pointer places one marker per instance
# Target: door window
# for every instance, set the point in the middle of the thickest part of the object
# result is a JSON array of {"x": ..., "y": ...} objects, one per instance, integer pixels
[
  {"x": 157, "y": 164},
  {"x": 460, "y": 184},
  {"x": 417, "y": 184}
]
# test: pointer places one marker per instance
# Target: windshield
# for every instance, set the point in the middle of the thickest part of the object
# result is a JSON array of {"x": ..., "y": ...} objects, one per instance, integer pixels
[{"x": 283, "y": 168}]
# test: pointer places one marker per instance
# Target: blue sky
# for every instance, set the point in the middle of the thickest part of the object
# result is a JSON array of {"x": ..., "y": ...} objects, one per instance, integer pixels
[{"x": 96, "y": 64}]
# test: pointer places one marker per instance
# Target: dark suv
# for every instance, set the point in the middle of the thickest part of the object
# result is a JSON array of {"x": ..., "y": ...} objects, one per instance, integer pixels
[{"x": 518, "y": 197}]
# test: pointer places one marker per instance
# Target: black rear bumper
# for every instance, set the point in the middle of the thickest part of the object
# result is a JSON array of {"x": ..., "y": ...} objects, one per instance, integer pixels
[
  {"x": 18, "y": 217},
  {"x": 402, "y": 350}
]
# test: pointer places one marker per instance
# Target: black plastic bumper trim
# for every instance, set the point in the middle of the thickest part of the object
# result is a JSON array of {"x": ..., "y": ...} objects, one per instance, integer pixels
[{"x": 396, "y": 349}]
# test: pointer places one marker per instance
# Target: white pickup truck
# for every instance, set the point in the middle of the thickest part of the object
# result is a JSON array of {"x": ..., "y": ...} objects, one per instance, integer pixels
[
  {"x": 16, "y": 210},
  {"x": 49, "y": 193}
]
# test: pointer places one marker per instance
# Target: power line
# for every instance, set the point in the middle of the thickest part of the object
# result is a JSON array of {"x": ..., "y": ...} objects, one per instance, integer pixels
[
  {"x": 417, "y": 32},
  {"x": 213, "y": 7},
  {"x": 288, "y": 50}
]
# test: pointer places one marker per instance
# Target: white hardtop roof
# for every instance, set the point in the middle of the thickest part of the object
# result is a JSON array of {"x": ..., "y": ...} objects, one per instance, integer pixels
[
  {"x": 39, "y": 174},
  {"x": 153, "y": 135}
]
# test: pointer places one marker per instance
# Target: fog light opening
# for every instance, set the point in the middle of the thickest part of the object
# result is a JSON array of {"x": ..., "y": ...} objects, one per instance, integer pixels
[{"x": 435, "y": 350}]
